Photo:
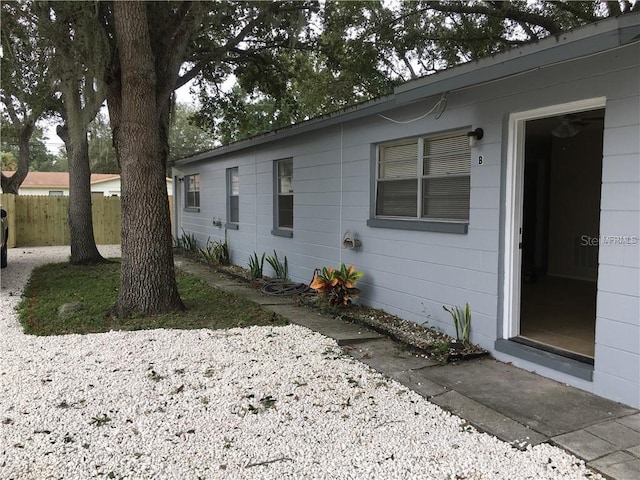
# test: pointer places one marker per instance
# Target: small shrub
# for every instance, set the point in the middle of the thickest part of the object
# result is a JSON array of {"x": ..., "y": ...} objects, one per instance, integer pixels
[
  {"x": 187, "y": 242},
  {"x": 216, "y": 252},
  {"x": 338, "y": 285},
  {"x": 206, "y": 252},
  {"x": 461, "y": 320},
  {"x": 256, "y": 266},
  {"x": 281, "y": 269}
]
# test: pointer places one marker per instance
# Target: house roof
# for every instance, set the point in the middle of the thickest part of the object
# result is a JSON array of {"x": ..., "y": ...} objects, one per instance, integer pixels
[
  {"x": 58, "y": 179},
  {"x": 581, "y": 42}
]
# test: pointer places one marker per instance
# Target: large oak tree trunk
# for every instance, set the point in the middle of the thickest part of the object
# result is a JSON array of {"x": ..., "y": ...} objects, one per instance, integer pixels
[
  {"x": 147, "y": 279},
  {"x": 83, "y": 244}
]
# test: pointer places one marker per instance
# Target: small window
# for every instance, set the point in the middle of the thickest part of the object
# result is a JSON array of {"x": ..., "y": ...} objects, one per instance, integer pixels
[
  {"x": 283, "y": 200},
  {"x": 192, "y": 191},
  {"x": 233, "y": 195},
  {"x": 56, "y": 193},
  {"x": 424, "y": 179}
]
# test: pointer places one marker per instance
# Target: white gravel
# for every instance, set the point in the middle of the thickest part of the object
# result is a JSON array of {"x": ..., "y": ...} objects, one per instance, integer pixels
[{"x": 262, "y": 402}]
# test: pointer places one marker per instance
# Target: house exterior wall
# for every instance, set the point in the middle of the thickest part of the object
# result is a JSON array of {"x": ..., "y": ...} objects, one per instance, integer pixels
[
  {"x": 111, "y": 188},
  {"x": 107, "y": 188},
  {"x": 43, "y": 191},
  {"x": 414, "y": 273}
]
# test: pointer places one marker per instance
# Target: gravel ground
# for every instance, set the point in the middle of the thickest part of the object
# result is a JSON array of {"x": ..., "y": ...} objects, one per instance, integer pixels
[{"x": 262, "y": 402}]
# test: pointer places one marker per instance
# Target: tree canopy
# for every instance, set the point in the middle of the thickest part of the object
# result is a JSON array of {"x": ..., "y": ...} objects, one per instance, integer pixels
[
  {"x": 353, "y": 51},
  {"x": 41, "y": 159},
  {"x": 27, "y": 89}
]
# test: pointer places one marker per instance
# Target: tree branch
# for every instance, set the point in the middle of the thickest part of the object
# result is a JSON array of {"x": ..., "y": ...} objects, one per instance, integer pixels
[
  {"x": 578, "y": 12},
  {"x": 220, "y": 53},
  {"x": 407, "y": 63},
  {"x": 171, "y": 60},
  {"x": 613, "y": 7},
  {"x": 510, "y": 12}
]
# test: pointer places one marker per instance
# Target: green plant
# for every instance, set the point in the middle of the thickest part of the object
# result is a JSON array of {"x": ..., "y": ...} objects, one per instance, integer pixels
[
  {"x": 156, "y": 377},
  {"x": 256, "y": 266},
  {"x": 188, "y": 242},
  {"x": 54, "y": 284},
  {"x": 100, "y": 420},
  {"x": 207, "y": 252},
  {"x": 337, "y": 284},
  {"x": 440, "y": 352},
  {"x": 281, "y": 269},
  {"x": 461, "y": 320},
  {"x": 216, "y": 252}
]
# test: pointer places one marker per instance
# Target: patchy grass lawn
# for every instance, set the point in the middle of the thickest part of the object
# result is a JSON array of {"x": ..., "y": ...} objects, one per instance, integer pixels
[{"x": 94, "y": 289}]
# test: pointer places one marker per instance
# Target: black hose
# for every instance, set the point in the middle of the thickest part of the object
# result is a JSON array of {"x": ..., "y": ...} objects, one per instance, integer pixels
[{"x": 281, "y": 287}]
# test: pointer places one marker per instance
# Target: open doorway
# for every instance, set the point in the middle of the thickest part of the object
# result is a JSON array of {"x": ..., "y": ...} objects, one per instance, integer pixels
[{"x": 560, "y": 219}]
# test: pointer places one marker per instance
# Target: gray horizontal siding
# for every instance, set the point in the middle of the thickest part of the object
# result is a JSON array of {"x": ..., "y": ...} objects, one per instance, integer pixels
[{"x": 414, "y": 273}]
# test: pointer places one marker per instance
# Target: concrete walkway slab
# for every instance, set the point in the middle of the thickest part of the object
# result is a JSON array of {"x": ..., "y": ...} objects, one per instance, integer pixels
[
  {"x": 259, "y": 297},
  {"x": 584, "y": 445},
  {"x": 343, "y": 332},
  {"x": 544, "y": 405},
  {"x": 418, "y": 382},
  {"x": 388, "y": 356},
  {"x": 618, "y": 465},
  {"x": 631, "y": 421},
  {"x": 488, "y": 420},
  {"x": 616, "y": 433}
]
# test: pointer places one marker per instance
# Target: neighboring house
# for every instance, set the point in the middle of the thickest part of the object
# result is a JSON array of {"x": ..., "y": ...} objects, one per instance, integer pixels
[
  {"x": 511, "y": 183},
  {"x": 57, "y": 184}
]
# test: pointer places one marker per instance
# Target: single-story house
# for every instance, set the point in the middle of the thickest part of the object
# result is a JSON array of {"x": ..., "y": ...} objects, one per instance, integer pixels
[
  {"x": 57, "y": 184},
  {"x": 511, "y": 183}
]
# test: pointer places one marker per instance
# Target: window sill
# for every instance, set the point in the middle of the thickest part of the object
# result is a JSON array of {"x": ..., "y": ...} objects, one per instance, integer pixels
[
  {"x": 422, "y": 225},
  {"x": 192, "y": 209},
  {"x": 282, "y": 233},
  {"x": 231, "y": 226},
  {"x": 546, "y": 359}
]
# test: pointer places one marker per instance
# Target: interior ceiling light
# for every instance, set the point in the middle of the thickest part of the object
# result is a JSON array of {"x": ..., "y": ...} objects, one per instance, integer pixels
[{"x": 566, "y": 128}]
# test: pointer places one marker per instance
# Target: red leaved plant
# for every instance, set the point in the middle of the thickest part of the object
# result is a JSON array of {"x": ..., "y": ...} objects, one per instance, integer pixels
[{"x": 337, "y": 284}]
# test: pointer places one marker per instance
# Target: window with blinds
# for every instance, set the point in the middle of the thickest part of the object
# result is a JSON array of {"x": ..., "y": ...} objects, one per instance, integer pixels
[
  {"x": 192, "y": 191},
  {"x": 425, "y": 178},
  {"x": 233, "y": 195},
  {"x": 284, "y": 194}
]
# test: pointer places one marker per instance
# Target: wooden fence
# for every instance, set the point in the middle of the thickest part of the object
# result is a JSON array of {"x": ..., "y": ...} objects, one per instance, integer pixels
[{"x": 42, "y": 220}]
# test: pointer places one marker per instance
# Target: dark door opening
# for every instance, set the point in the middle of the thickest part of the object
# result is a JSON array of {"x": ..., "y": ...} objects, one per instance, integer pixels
[{"x": 560, "y": 232}]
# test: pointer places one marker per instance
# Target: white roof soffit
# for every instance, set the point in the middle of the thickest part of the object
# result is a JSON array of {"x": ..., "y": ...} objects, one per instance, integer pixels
[{"x": 584, "y": 41}]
